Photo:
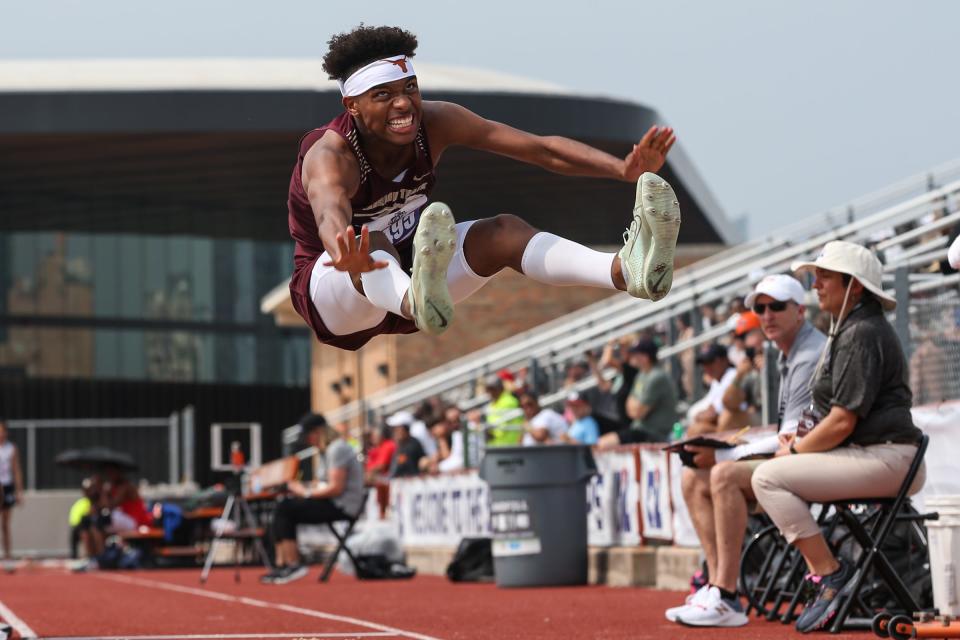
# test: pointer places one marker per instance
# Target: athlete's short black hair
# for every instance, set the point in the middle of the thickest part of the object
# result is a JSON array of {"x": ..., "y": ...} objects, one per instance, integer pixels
[{"x": 354, "y": 49}]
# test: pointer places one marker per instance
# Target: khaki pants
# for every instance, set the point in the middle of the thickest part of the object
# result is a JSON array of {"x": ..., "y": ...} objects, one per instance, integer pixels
[{"x": 785, "y": 486}]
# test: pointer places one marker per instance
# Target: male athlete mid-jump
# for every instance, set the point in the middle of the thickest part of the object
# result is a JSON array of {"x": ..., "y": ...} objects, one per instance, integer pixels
[{"x": 372, "y": 257}]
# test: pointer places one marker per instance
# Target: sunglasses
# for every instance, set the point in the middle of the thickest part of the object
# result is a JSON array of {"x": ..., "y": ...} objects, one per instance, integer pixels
[{"x": 776, "y": 306}]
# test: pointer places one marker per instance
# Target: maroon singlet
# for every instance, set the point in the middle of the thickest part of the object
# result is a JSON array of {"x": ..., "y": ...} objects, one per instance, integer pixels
[{"x": 381, "y": 203}]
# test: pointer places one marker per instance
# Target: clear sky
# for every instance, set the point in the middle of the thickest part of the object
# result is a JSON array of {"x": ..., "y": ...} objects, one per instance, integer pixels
[{"x": 786, "y": 108}]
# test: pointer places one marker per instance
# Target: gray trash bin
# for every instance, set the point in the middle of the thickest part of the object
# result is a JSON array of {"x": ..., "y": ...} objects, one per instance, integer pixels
[{"x": 538, "y": 513}]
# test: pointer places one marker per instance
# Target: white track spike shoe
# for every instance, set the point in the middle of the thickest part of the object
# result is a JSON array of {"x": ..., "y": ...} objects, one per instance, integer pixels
[
  {"x": 433, "y": 246},
  {"x": 657, "y": 207},
  {"x": 636, "y": 243}
]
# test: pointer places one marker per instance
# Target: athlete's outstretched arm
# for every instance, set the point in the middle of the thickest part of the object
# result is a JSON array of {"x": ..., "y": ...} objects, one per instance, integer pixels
[
  {"x": 329, "y": 177},
  {"x": 450, "y": 124}
]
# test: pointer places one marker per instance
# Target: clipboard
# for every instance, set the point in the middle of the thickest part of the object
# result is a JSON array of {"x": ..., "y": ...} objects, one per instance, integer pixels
[{"x": 698, "y": 441}]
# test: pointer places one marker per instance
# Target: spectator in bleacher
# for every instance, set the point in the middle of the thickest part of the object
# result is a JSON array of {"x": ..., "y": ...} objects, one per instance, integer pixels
[
  {"x": 406, "y": 459},
  {"x": 502, "y": 415},
  {"x": 344, "y": 430},
  {"x": 609, "y": 397},
  {"x": 953, "y": 253},
  {"x": 863, "y": 439},
  {"x": 455, "y": 430},
  {"x": 11, "y": 485},
  {"x": 336, "y": 493},
  {"x": 508, "y": 379},
  {"x": 380, "y": 454},
  {"x": 930, "y": 364},
  {"x": 685, "y": 357},
  {"x": 708, "y": 415},
  {"x": 746, "y": 329},
  {"x": 652, "y": 403},
  {"x": 424, "y": 416},
  {"x": 584, "y": 429},
  {"x": 576, "y": 371},
  {"x": 708, "y": 316},
  {"x": 442, "y": 435},
  {"x": 541, "y": 426},
  {"x": 742, "y": 399},
  {"x": 718, "y": 491}
]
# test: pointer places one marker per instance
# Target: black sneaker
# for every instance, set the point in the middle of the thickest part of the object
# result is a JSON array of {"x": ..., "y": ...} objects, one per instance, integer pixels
[
  {"x": 271, "y": 576},
  {"x": 830, "y": 595},
  {"x": 290, "y": 574}
]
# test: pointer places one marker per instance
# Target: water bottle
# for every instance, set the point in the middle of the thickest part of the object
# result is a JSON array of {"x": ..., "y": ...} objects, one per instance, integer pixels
[{"x": 677, "y": 432}]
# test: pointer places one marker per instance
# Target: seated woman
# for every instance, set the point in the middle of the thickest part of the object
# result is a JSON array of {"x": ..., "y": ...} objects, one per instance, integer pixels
[
  {"x": 337, "y": 494},
  {"x": 863, "y": 439}
]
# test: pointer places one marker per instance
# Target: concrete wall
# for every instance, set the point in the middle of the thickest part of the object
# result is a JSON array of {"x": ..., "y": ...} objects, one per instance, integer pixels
[{"x": 39, "y": 526}]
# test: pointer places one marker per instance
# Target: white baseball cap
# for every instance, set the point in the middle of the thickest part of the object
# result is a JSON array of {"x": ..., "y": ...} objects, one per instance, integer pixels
[
  {"x": 854, "y": 260},
  {"x": 400, "y": 419},
  {"x": 779, "y": 287}
]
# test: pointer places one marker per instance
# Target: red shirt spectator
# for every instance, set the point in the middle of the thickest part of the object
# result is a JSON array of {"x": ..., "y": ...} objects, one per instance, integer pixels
[{"x": 380, "y": 454}]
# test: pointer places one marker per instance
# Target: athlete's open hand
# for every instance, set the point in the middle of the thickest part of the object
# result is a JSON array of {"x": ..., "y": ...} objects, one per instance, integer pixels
[
  {"x": 354, "y": 257},
  {"x": 649, "y": 154}
]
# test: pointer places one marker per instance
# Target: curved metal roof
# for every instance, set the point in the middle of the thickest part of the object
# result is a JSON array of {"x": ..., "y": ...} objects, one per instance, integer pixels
[
  {"x": 233, "y": 74},
  {"x": 84, "y": 142}
]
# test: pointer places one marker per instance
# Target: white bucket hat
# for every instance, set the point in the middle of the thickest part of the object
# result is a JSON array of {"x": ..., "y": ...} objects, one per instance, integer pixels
[
  {"x": 779, "y": 287},
  {"x": 854, "y": 260}
]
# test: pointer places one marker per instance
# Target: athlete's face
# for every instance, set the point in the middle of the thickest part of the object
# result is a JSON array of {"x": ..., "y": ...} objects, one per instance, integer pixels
[{"x": 390, "y": 111}]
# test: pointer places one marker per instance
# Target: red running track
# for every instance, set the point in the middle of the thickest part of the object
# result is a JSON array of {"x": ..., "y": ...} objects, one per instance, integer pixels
[{"x": 172, "y": 603}]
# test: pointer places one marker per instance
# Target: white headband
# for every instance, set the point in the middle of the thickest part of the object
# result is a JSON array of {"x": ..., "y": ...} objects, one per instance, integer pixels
[{"x": 377, "y": 72}]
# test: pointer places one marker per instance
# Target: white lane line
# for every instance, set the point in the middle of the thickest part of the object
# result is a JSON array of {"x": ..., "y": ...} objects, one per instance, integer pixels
[
  {"x": 157, "y": 584},
  {"x": 19, "y": 625},
  {"x": 232, "y": 636}
]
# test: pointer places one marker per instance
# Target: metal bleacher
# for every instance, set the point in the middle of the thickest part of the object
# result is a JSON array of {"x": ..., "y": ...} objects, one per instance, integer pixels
[{"x": 896, "y": 221}]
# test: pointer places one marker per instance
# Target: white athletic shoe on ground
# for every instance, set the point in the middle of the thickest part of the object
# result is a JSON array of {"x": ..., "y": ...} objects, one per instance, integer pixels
[
  {"x": 433, "y": 246},
  {"x": 659, "y": 211},
  {"x": 713, "y": 611},
  {"x": 693, "y": 599}
]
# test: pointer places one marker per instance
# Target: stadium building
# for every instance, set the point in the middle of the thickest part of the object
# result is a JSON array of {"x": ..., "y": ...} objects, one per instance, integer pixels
[{"x": 144, "y": 250}]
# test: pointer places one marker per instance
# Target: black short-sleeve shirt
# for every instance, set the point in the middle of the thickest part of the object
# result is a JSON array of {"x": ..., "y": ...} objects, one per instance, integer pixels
[{"x": 866, "y": 373}]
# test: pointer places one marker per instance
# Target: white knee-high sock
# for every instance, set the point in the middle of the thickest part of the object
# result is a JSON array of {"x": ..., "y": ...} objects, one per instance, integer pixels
[
  {"x": 386, "y": 287},
  {"x": 554, "y": 260}
]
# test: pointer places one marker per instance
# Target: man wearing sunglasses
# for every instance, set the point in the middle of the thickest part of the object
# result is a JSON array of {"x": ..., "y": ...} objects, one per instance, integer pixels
[{"x": 718, "y": 492}]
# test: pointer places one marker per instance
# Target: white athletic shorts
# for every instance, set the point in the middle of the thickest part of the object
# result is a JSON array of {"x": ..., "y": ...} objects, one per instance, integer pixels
[{"x": 344, "y": 310}]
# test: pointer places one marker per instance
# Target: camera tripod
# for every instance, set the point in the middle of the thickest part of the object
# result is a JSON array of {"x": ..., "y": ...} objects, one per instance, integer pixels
[{"x": 237, "y": 511}]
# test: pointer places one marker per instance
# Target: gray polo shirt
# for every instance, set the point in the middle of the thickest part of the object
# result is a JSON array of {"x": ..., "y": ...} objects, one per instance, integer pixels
[{"x": 796, "y": 374}]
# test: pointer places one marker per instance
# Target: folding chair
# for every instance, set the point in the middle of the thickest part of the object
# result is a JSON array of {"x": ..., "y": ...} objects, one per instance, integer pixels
[
  {"x": 342, "y": 542},
  {"x": 778, "y": 579},
  {"x": 871, "y": 540}
]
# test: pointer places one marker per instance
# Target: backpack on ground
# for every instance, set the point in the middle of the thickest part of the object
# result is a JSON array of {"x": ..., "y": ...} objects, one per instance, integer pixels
[{"x": 472, "y": 562}]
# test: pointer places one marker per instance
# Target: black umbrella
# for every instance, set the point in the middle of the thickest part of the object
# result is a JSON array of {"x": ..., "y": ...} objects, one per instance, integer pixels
[{"x": 96, "y": 457}]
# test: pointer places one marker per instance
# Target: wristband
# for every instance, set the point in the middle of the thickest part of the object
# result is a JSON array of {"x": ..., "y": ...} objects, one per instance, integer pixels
[{"x": 793, "y": 448}]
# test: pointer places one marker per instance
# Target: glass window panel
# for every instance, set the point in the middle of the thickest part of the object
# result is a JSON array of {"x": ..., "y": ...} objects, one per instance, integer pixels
[
  {"x": 202, "y": 278},
  {"x": 78, "y": 286},
  {"x": 206, "y": 369},
  {"x": 179, "y": 287},
  {"x": 243, "y": 276},
  {"x": 106, "y": 286},
  {"x": 245, "y": 354},
  {"x": 133, "y": 362},
  {"x": 155, "y": 276},
  {"x": 107, "y": 353},
  {"x": 131, "y": 276},
  {"x": 24, "y": 267}
]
